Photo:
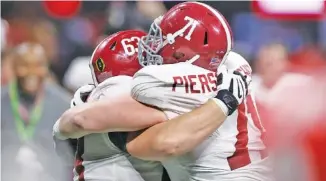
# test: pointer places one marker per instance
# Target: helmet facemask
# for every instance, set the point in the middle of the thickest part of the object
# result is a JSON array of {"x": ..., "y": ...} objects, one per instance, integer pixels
[{"x": 150, "y": 45}]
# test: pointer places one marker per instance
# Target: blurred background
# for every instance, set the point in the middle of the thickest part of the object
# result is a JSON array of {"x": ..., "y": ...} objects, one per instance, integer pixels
[{"x": 46, "y": 46}]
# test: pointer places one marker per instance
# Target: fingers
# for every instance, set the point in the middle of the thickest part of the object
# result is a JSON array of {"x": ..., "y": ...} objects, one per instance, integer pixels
[
  {"x": 87, "y": 88},
  {"x": 231, "y": 86},
  {"x": 219, "y": 79},
  {"x": 240, "y": 88},
  {"x": 245, "y": 78},
  {"x": 82, "y": 94},
  {"x": 245, "y": 81},
  {"x": 72, "y": 103},
  {"x": 223, "y": 79},
  {"x": 235, "y": 82}
]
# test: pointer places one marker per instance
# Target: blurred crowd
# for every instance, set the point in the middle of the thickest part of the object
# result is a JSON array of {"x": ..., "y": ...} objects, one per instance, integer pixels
[
  {"x": 69, "y": 41},
  {"x": 44, "y": 58}
]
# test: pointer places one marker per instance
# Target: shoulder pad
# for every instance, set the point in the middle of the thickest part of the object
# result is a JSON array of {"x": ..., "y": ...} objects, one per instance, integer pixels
[{"x": 235, "y": 61}]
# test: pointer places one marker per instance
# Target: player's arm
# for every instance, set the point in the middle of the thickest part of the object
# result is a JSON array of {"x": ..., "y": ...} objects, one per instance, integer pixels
[
  {"x": 122, "y": 113},
  {"x": 182, "y": 134},
  {"x": 67, "y": 128},
  {"x": 179, "y": 135}
]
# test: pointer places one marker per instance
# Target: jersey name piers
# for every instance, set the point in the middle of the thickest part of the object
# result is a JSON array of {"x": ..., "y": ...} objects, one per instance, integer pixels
[{"x": 195, "y": 83}]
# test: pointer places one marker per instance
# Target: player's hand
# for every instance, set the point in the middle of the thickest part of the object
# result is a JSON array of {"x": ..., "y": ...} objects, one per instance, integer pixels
[
  {"x": 232, "y": 88},
  {"x": 233, "y": 81},
  {"x": 81, "y": 95}
]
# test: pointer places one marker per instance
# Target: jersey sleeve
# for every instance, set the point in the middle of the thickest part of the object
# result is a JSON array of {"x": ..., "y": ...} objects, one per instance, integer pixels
[
  {"x": 111, "y": 87},
  {"x": 146, "y": 87}
]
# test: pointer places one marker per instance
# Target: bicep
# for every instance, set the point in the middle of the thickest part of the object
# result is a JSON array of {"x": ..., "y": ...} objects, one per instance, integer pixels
[
  {"x": 143, "y": 144},
  {"x": 179, "y": 135},
  {"x": 122, "y": 113}
]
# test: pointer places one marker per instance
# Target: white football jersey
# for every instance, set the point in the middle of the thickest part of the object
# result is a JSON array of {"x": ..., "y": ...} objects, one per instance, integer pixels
[
  {"x": 232, "y": 148},
  {"x": 97, "y": 158}
]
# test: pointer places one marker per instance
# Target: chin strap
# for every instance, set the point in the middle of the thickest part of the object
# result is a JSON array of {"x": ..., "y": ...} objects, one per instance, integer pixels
[{"x": 193, "y": 59}]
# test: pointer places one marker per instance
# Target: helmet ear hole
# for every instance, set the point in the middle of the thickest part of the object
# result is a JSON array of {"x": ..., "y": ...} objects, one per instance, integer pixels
[
  {"x": 206, "y": 38},
  {"x": 112, "y": 47}
]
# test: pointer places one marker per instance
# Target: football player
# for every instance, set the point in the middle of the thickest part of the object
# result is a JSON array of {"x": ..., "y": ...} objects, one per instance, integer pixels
[
  {"x": 113, "y": 63},
  {"x": 188, "y": 42},
  {"x": 180, "y": 87}
]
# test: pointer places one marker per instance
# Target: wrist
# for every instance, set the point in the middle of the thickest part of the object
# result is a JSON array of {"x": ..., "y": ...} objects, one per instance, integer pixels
[
  {"x": 228, "y": 99},
  {"x": 222, "y": 106}
]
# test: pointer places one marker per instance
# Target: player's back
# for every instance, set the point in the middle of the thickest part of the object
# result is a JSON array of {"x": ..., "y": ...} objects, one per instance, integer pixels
[
  {"x": 97, "y": 158},
  {"x": 179, "y": 88}
]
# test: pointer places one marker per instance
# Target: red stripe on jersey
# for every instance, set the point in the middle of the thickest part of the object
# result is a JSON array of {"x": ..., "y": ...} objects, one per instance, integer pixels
[
  {"x": 257, "y": 122},
  {"x": 240, "y": 157}
]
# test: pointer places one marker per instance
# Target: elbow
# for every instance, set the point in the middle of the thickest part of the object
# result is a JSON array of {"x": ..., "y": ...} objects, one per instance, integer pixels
[
  {"x": 70, "y": 125},
  {"x": 167, "y": 146},
  {"x": 78, "y": 120},
  {"x": 71, "y": 119},
  {"x": 58, "y": 132}
]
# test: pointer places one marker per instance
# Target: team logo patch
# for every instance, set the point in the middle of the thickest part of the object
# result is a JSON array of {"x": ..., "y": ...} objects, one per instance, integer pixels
[
  {"x": 215, "y": 62},
  {"x": 100, "y": 65}
]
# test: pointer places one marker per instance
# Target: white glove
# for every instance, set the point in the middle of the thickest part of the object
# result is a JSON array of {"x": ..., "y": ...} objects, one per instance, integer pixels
[
  {"x": 235, "y": 82},
  {"x": 81, "y": 95},
  {"x": 232, "y": 89}
]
